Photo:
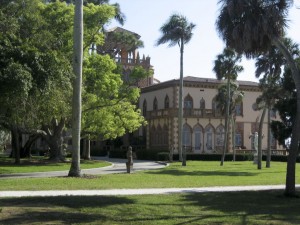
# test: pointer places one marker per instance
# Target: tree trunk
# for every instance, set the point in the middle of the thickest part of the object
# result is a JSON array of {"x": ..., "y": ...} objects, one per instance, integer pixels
[
  {"x": 260, "y": 134},
  {"x": 180, "y": 106},
  {"x": 290, "y": 188},
  {"x": 16, "y": 143},
  {"x": 268, "y": 161},
  {"x": 233, "y": 138},
  {"x": 226, "y": 123},
  {"x": 28, "y": 144},
  {"x": 86, "y": 153},
  {"x": 56, "y": 152},
  {"x": 76, "y": 103},
  {"x": 54, "y": 139}
]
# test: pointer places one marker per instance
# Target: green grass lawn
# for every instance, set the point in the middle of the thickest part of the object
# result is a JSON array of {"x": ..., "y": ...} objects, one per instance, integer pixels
[
  {"x": 264, "y": 207},
  {"x": 251, "y": 207},
  {"x": 40, "y": 164},
  {"x": 195, "y": 174}
]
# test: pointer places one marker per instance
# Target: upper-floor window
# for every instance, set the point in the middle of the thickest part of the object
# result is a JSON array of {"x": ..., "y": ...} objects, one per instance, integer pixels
[
  {"x": 215, "y": 107},
  {"x": 188, "y": 102},
  {"x": 202, "y": 103},
  {"x": 239, "y": 109},
  {"x": 155, "y": 104},
  {"x": 167, "y": 102}
]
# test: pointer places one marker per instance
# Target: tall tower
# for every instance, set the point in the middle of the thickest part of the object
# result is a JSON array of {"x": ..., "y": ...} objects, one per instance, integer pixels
[{"x": 122, "y": 45}]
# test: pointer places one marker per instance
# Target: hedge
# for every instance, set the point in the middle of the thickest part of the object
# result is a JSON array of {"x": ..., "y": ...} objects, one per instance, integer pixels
[{"x": 163, "y": 155}]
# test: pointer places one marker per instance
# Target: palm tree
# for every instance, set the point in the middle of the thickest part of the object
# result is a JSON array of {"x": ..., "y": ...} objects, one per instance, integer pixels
[
  {"x": 251, "y": 27},
  {"x": 270, "y": 66},
  {"x": 225, "y": 67},
  {"x": 76, "y": 103},
  {"x": 177, "y": 30}
]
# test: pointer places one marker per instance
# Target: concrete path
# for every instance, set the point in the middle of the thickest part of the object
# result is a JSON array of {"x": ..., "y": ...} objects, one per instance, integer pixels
[
  {"x": 149, "y": 191},
  {"x": 118, "y": 166}
]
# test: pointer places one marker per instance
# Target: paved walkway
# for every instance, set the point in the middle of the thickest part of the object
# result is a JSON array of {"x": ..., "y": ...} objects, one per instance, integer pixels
[
  {"x": 118, "y": 166},
  {"x": 149, "y": 191}
]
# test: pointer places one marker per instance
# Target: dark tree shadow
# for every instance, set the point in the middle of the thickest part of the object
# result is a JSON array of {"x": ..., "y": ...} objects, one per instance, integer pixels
[
  {"x": 36, "y": 209},
  {"x": 179, "y": 172}
]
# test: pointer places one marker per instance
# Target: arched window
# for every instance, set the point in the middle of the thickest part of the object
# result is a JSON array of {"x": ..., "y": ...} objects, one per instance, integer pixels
[
  {"x": 188, "y": 102},
  {"x": 220, "y": 136},
  {"x": 188, "y": 105},
  {"x": 215, "y": 108},
  {"x": 155, "y": 104},
  {"x": 238, "y": 141},
  {"x": 239, "y": 109},
  {"x": 167, "y": 102},
  {"x": 202, "y": 103},
  {"x": 144, "y": 107},
  {"x": 209, "y": 138},
  {"x": 186, "y": 136},
  {"x": 198, "y": 135}
]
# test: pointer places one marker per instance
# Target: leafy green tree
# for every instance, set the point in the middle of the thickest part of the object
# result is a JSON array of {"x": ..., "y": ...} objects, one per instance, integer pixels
[
  {"x": 286, "y": 106},
  {"x": 30, "y": 67},
  {"x": 270, "y": 66},
  {"x": 119, "y": 15},
  {"x": 109, "y": 103},
  {"x": 178, "y": 30},
  {"x": 115, "y": 42},
  {"x": 226, "y": 67},
  {"x": 251, "y": 28}
]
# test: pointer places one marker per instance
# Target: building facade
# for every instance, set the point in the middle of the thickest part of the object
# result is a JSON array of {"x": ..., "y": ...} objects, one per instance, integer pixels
[{"x": 203, "y": 124}]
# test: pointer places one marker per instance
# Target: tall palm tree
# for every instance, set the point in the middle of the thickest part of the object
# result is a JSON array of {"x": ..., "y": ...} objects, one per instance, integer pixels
[
  {"x": 251, "y": 27},
  {"x": 270, "y": 66},
  {"x": 177, "y": 30},
  {"x": 76, "y": 103},
  {"x": 226, "y": 67}
]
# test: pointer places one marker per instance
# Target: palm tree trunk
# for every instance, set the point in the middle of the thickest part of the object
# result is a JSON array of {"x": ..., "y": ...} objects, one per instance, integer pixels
[
  {"x": 259, "y": 150},
  {"x": 233, "y": 138},
  {"x": 290, "y": 188},
  {"x": 226, "y": 123},
  {"x": 268, "y": 161},
  {"x": 180, "y": 115},
  {"x": 76, "y": 104}
]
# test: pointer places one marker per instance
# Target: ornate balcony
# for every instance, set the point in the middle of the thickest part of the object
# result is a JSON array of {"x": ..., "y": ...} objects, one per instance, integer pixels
[{"x": 192, "y": 113}]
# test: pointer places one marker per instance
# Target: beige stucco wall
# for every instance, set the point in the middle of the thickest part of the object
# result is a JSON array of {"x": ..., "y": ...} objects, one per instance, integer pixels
[
  {"x": 160, "y": 96},
  {"x": 248, "y": 118}
]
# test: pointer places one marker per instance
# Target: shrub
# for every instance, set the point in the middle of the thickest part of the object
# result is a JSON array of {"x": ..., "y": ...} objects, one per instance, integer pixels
[
  {"x": 98, "y": 152},
  {"x": 118, "y": 153},
  {"x": 150, "y": 154},
  {"x": 163, "y": 156}
]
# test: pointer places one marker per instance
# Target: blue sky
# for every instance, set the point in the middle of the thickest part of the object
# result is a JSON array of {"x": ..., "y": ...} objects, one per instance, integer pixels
[{"x": 146, "y": 17}]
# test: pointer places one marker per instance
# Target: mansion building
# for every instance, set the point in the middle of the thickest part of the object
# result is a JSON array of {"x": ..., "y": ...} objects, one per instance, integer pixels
[{"x": 203, "y": 124}]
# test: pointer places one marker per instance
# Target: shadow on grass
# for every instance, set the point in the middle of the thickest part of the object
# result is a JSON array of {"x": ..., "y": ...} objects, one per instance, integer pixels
[
  {"x": 180, "y": 172},
  {"x": 57, "y": 210},
  {"x": 266, "y": 207},
  {"x": 252, "y": 207}
]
